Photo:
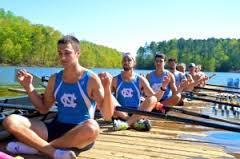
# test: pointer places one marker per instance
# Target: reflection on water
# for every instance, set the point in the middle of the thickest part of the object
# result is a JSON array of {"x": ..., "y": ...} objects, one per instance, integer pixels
[
  {"x": 217, "y": 111},
  {"x": 230, "y": 140}
]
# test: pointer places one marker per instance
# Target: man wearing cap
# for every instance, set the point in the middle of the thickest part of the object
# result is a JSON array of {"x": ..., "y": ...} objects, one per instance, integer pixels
[
  {"x": 202, "y": 75},
  {"x": 127, "y": 87},
  {"x": 199, "y": 79},
  {"x": 156, "y": 77}
]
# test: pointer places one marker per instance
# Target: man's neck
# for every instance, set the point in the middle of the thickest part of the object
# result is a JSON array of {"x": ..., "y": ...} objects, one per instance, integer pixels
[
  {"x": 128, "y": 75},
  {"x": 193, "y": 73},
  {"x": 73, "y": 73},
  {"x": 172, "y": 70},
  {"x": 159, "y": 71}
]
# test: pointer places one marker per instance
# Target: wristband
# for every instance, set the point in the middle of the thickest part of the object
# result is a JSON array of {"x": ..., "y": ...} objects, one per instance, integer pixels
[{"x": 163, "y": 89}]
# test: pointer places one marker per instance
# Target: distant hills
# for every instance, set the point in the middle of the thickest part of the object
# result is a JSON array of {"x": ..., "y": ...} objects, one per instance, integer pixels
[
  {"x": 213, "y": 54},
  {"x": 23, "y": 43}
]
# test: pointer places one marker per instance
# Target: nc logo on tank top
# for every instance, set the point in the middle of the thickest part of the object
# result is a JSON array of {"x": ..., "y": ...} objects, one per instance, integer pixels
[
  {"x": 68, "y": 100},
  {"x": 127, "y": 92},
  {"x": 156, "y": 87}
]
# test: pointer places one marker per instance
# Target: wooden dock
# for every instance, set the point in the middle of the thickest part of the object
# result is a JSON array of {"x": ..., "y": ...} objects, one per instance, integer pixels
[{"x": 163, "y": 142}]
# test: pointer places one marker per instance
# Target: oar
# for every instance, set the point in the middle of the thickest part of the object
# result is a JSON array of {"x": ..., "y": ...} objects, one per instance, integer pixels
[
  {"x": 201, "y": 94},
  {"x": 18, "y": 90},
  {"x": 199, "y": 114},
  {"x": 37, "y": 81},
  {"x": 210, "y": 100},
  {"x": 225, "y": 97},
  {"x": 217, "y": 90},
  {"x": 215, "y": 85},
  {"x": 178, "y": 119},
  {"x": 22, "y": 107},
  {"x": 212, "y": 75},
  {"x": 218, "y": 96},
  {"x": 45, "y": 78}
]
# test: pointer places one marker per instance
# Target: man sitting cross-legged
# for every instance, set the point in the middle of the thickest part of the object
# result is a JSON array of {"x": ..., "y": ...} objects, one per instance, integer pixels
[
  {"x": 76, "y": 91},
  {"x": 128, "y": 87}
]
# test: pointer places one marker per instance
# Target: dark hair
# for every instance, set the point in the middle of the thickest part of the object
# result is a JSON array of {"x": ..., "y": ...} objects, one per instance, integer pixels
[
  {"x": 172, "y": 59},
  {"x": 160, "y": 55},
  {"x": 70, "y": 39}
]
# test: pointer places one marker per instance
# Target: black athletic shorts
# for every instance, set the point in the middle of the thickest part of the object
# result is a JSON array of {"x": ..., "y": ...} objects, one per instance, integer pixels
[{"x": 57, "y": 129}]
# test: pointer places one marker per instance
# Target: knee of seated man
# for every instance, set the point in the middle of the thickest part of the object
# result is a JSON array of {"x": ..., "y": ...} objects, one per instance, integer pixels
[
  {"x": 11, "y": 123},
  {"x": 92, "y": 128},
  {"x": 151, "y": 100},
  {"x": 177, "y": 98}
]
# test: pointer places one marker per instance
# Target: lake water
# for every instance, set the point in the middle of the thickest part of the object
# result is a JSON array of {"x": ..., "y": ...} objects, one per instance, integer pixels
[{"x": 7, "y": 74}]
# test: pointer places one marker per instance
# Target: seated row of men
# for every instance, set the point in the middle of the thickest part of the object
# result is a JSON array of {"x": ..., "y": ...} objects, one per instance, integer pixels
[
  {"x": 76, "y": 91},
  {"x": 165, "y": 85}
]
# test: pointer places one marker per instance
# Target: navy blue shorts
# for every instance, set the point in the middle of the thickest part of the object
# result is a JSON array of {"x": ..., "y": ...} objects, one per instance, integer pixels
[{"x": 57, "y": 129}]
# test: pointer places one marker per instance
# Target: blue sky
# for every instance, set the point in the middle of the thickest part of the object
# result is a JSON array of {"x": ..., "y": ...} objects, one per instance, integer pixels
[{"x": 128, "y": 24}]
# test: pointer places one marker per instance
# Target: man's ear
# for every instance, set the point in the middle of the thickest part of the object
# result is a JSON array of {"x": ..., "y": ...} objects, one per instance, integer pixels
[{"x": 78, "y": 53}]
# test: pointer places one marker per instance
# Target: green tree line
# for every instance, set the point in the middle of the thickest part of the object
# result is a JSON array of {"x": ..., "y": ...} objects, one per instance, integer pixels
[
  {"x": 213, "y": 54},
  {"x": 23, "y": 43}
]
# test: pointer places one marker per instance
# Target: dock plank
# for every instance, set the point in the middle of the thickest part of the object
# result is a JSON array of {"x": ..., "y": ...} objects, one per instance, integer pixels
[{"x": 131, "y": 144}]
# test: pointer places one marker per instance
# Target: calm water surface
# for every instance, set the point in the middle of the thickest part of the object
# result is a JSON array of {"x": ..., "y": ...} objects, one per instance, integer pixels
[{"x": 7, "y": 74}]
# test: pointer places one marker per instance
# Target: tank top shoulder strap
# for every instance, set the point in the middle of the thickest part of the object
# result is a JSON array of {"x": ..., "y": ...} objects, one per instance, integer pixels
[
  {"x": 166, "y": 72},
  {"x": 83, "y": 85},
  {"x": 119, "y": 79},
  {"x": 152, "y": 74},
  {"x": 85, "y": 79},
  {"x": 86, "y": 75},
  {"x": 137, "y": 79},
  {"x": 58, "y": 79}
]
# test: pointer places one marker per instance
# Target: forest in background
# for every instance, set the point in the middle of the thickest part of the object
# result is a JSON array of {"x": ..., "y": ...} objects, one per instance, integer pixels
[
  {"x": 26, "y": 44},
  {"x": 23, "y": 43},
  {"x": 213, "y": 54}
]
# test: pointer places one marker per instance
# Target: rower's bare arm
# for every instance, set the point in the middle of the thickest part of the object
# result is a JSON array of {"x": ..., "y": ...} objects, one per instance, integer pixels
[
  {"x": 146, "y": 87},
  {"x": 163, "y": 88},
  {"x": 114, "y": 84},
  {"x": 172, "y": 83},
  {"x": 44, "y": 102},
  {"x": 148, "y": 76},
  {"x": 100, "y": 91},
  {"x": 183, "y": 86},
  {"x": 48, "y": 97}
]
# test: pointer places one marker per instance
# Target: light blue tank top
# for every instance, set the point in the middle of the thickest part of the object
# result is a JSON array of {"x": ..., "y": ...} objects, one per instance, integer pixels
[
  {"x": 74, "y": 104},
  {"x": 128, "y": 93},
  {"x": 156, "y": 83},
  {"x": 179, "y": 76}
]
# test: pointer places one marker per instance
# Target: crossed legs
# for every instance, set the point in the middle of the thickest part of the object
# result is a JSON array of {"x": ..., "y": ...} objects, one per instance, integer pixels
[
  {"x": 34, "y": 133},
  {"x": 147, "y": 105}
]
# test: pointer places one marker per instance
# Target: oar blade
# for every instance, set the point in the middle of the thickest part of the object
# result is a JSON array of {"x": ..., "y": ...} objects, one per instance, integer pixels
[{"x": 228, "y": 127}]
